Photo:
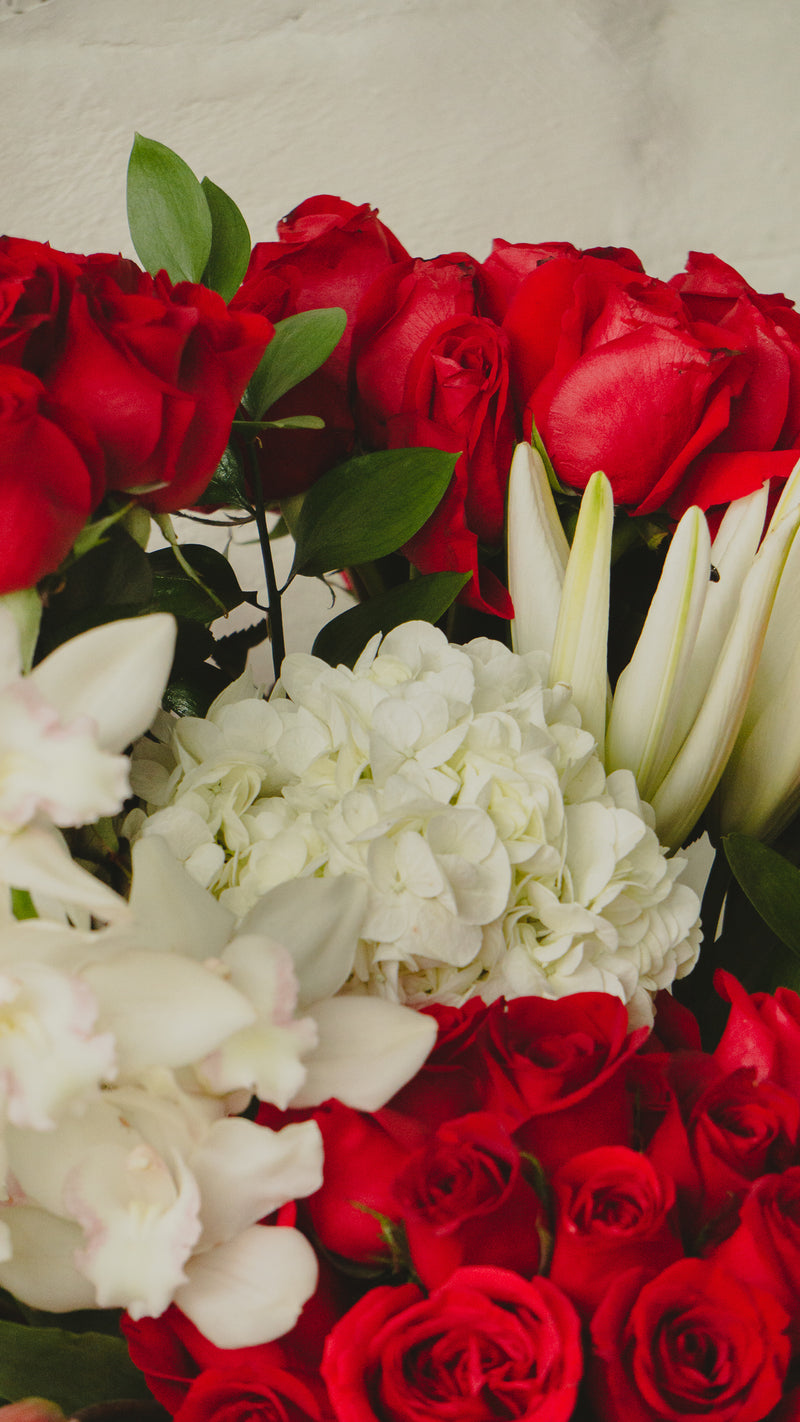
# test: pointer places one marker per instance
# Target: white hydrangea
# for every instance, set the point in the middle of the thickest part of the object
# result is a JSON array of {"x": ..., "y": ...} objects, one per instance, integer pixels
[{"x": 462, "y": 790}]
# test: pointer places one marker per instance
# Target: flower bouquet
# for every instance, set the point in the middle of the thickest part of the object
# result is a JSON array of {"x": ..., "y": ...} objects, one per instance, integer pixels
[{"x": 416, "y": 1035}]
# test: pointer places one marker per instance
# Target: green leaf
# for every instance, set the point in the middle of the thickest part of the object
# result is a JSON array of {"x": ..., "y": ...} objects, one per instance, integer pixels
[
  {"x": 227, "y": 489},
  {"x": 230, "y": 243},
  {"x": 72, "y": 1369},
  {"x": 771, "y": 884},
  {"x": 369, "y": 507},
  {"x": 301, "y": 344},
  {"x": 425, "y": 599},
  {"x": 168, "y": 213},
  {"x": 95, "y": 533},
  {"x": 210, "y": 593},
  {"x": 22, "y": 904},
  {"x": 251, "y": 429}
]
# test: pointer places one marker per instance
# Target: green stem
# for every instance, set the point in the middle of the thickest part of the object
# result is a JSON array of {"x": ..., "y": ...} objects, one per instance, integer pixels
[{"x": 273, "y": 591}]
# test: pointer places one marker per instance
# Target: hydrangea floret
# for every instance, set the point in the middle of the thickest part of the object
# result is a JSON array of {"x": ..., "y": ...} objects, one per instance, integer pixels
[{"x": 498, "y": 856}]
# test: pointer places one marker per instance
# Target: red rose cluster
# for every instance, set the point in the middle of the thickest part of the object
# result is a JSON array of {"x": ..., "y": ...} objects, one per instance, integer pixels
[
  {"x": 109, "y": 379},
  {"x": 556, "y": 1219},
  {"x": 684, "y": 392}
]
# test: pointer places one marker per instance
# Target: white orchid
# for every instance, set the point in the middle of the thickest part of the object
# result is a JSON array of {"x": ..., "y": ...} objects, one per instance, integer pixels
[
  {"x": 124, "y": 1049},
  {"x": 682, "y": 701},
  {"x": 150, "y": 1195},
  {"x": 62, "y": 728}
]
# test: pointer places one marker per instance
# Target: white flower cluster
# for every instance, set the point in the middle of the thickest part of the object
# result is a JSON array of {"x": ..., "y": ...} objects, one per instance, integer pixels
[
  {"x": 125, "y": 1179},
  {"x": 498, "y": 857}
]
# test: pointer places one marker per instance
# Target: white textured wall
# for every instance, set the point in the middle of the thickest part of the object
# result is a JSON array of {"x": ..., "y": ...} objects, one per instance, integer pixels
[
  {"x": 660, "y": 124},
  {"x": 656, "y": 124}
]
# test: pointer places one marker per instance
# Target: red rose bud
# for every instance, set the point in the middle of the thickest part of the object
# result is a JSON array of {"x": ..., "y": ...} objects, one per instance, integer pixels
[
  {"x": 762, "y": 1032},
  {"x": 613, "y": 1212},
  {"x": 484, "y": 1345},
  {"x": 691, "y": 1342},
  {"x": 465, "y": 1200},
  {"x": 362, "y": 1162}
]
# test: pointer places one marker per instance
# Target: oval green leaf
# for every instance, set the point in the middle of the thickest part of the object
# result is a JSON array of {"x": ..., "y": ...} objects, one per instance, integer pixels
[
  {"x": 168, "y": 215},
  {"x": 368, "y": 507},
  {"x": 425, "y": 599},
  {"x": 206, "y": 590},
  {"x": 301, "y": 344},
  {"x": 230, "y": 243},
  {"x": 771, "y": 884},
  {"x": 72, "y": 1369}
]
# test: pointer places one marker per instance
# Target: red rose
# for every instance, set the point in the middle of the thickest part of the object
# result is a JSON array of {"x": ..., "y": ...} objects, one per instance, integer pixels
[
  {"x": 156, "y": 372},
  {"x": 241, "y": 1394},
  {"x": 328, "y": 253},
  {"x": 720, "y": 1135},
  {"x": 613, "y": 1213},
  {"x": 464, "y": 1200},
  {"x": 691, "y": 1342},
  {"x": 487, "y": 1344},
  {"x": 50, "y": 479},
  {"x": 762, "y": 433},
  {"x": 764, "y": 1251},
  {"x": 762, "y": 1032},
  {"x": 509, "y": 263},
  {"x": 400, "y": 310},
  {"x": 557, "y": 1072},
  {"x": 456, "y": 397},
  {"x": 451, "y": 1081},
  {"x": 431, "y": 371},
  {"x": 617, "y": 376},
  {"x": 362, "y": 1161},
  {"x": 36, "y": 285}
]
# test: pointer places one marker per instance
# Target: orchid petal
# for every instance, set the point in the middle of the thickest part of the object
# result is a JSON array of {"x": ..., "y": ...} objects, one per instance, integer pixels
[
  {"x": 41, "y": 1271},
  {"x": 173, "y": 912},
  {"x": 537, "y": 553},
  {"x": 251, "y": 1289},
  {"x": 114, "y": 674},
  {"x": 37, "y": 860},
  {"x": 246, "y": 1171},
  {"x": 163, "y": 1009},
  {"x": 319, "y": 921},
  {"x": 648, "y": 692},
  {"x": 581, "y": 636},
  {"x": 368, "y": 1048},
  {"x": 696, "y": 770}
]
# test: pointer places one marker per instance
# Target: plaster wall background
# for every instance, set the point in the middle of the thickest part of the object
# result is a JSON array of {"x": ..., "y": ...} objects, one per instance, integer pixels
[
  {"x": 657, "y": 124},
  {"x": 663, "y": 125}
]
